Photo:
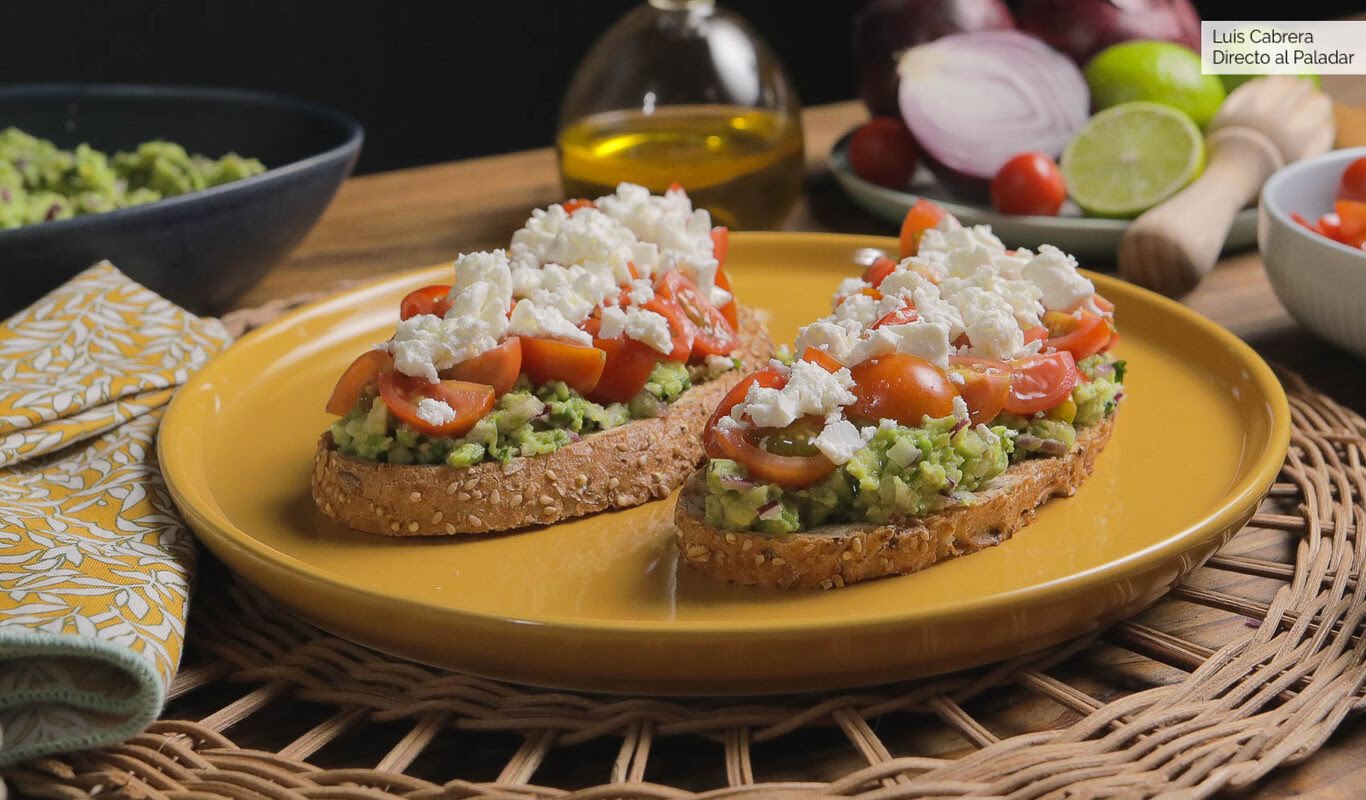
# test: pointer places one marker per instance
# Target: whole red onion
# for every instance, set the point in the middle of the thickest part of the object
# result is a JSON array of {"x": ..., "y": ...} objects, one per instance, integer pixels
[
  {"x": 885, "y": 28},
  {"x": 1082, "y": 28}
]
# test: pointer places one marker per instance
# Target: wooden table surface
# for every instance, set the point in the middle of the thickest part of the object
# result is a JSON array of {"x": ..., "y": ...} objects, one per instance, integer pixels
[{"x": 417, "y": 217}]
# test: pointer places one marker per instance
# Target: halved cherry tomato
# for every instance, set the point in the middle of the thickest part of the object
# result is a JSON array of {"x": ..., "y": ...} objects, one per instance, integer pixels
[
  {"x": 1102, "y": 303},
  {"x": 985, "y": 387},
  {"x": 902, "y": 316},
  {"x": 427, "y": 300},
  {"x": 570, "y": 206},
  {"x": 1082, "y": 334},
  {"x": 1040, "y": 382},
  {"x": 900, "y": 387},
  {"x": 794, "y": 472},
  {"x": 361, "y": 373},
  {"x": 1035, "y": 334},
  {"x": 1353, "y": 183},
  {"x": 498, "y": 367},
  {"x": 822, "y": 359},
  {"x": 470, "y": 401},
  {"x": 712, "y": 334},
  {"x": 768, "y": 377},
  {"x": 680, "y": 329},
  {"x": 1330, "y": 225},
  {"x": 922, "y": 216},
  {"x": 720, "y": 248},
  {"x": 1351, "y": 222},
  {"x": 628, "y": 368},
  {"x": 730, "y": 310},
  {"x": 546, "y": 360},
  {"x": 878, "y": 271},
  {"x": 675, "y": 187}
]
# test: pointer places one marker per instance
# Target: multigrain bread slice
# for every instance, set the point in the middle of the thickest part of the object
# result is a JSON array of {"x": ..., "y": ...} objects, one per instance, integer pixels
[
  {"x": 617, "y": 468},
  {"x": 836, "y": 555}
]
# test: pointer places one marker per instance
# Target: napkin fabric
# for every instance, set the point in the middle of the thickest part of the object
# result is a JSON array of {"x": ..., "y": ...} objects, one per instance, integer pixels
[{"x": 95, "y": 563}]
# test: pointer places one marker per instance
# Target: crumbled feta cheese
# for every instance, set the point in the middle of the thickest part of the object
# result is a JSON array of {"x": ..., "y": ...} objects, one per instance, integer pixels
[
  {"x": 641, "y": 292},
  {"x": 1061, "y": 287},
  {"x": 957, "y": 378},
  {"x": 545, "y": 322},
  {"x": 587, "y": 238},
  {"x": 989, "y": 322},
  {"x": 490, "y": 267},
  {"x": 809, "y": 390},
  {"x": 839, "y": 440},
  {"x": 730, "y": 423},
  {"x": 1021, "y": 295},
  {"x": 574, "y": 291},
  {"x": 960, "y": 409},
  {"x": 847, "y": 287},
  {"x": 988, "y": 434},
  {"x": 927, "y": 340},
  {"x": 668, "y": 221},
  {"x": 435, "y": 412},
  {"x": 836, "y": 339},
  {"x": 959, "y": 251},
  {"x": 424, "y": 344},
  {"x": 637, "y": 323},
  {"x": 715, "y": 365}
]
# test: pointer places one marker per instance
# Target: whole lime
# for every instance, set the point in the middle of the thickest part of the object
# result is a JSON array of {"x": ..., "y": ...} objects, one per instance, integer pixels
[{"x": 1158, "y": 72}]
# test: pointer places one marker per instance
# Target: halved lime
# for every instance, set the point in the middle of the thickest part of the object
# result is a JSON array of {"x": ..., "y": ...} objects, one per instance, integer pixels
[{"x": 1131, "y": 157}]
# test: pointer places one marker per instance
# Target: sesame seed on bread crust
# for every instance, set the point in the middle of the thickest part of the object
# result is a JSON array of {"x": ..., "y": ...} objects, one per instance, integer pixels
[
  {"x": 832, "y": 556},
  {"x": 618, "y": 468}
]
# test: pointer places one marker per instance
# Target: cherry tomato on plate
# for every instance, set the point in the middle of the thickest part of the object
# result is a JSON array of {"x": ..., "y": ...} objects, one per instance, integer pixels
[
  {"x": 361, "y": 373},
  {"x": 878, "y": 271},
  {"x": 1040, "y": 382},
  {"x": 821, "y": 359},
  {"x": 570, "y": 206},
  {"x": 902, "y": 316},
  {"x": 985, "y": 387},
  {"x": 921, "y": 217},
  {"x": 794, "y": 472},
  {"x": 1082, "y": 334},
  {"x": 882, "y": 151},
  {"x": 427, "y": 300},
  {"x": 402, "y": 394},
  {"x": 713, "y": 334},
  {"x": 720, "y": 248},
  {"x": 901, "y": 387},
  {"x": 768, "y": 377},
  {"x": 628, "y": 368},
  {"x": 578, "y": 366},
  {"x": 498, "y": 367},
  {"x": 1353, "y": 183},
  {"x": 681, "y": 330},
  {"x": 1351, "y": 222},
  {"x": 1029, "y": 183}
]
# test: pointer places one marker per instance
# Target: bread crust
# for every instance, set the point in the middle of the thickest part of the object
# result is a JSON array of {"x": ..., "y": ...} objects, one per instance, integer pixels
[
  {"x": 836, "y": 555},
  {"x": 617, "y": 468}
]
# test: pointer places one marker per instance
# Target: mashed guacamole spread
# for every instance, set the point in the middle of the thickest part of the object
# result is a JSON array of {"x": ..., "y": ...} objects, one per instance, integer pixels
[
  {"x": 907, "y": 472},
  {"x": 40, "y": 182},
  {"x": 526, "y": 422}
]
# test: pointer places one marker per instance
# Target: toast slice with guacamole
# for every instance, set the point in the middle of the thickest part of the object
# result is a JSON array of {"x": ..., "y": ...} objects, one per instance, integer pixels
[
  {"x": 943, "y": 400},
  {"x": 568, "y": 374}
]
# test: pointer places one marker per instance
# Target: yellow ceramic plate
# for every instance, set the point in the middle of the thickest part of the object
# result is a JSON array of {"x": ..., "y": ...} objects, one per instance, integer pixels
[{"x": 603, "y": 604}]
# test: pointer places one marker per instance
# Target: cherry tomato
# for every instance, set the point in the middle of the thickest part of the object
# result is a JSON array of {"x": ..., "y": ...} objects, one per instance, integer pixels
[
  {"x": 1353, "y": 183},
  {"x": 1102, "y": 303},
  {"x": 1352, "y": 222},
  {"x": 882, "y": 151},
  {"x": 1330, "y": 225},
  {"x": 427, "y": 300},
  {"x": 1040, "y": 382},
  {"x": 768, "y": 377},
  {"x": 570, "y": 206},
  {"x": 720, "y": 244},
  {"x": 1029, "y": 183},
  {"x": 900, "y": 387},
  {"x": 1082, "y": 334},
  {"x": 498, "y": 367},
  {"x": 628, "y": 368},
  {"x": 470, "y": 401},
  {"x": 902, "y": 316},
  {"x": 546, "y": 360},
  {"x": 712, "y": 334},
  {"x": 793, "y": 472},
  {"x": 878, "y": 271},
  {"x": 985, "y": 387},
  {"x": 680, "y": 329},
  {"x": 361, "y": 373},
  {"x": 822, "y": 359},
  {"x": 922, "y": 216},
  {"x": 1035, "y": 334}
]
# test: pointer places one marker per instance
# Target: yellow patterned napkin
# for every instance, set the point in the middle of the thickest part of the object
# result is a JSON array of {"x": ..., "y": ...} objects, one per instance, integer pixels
[{"x": 95, "y": 564}]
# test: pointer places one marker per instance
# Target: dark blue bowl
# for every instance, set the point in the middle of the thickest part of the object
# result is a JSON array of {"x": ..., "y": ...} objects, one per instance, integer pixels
[{"x": 200, "y": 249}]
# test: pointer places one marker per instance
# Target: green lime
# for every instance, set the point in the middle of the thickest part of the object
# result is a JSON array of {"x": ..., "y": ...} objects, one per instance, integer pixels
[
  {"x": 1129, "y": 158},
  {"x": 1232, "y": 82},
  {"x": 1160, "y": 72}
]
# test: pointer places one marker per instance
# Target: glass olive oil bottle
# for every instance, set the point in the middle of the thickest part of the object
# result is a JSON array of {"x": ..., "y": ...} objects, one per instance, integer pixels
[{"x": 681, "y": 92}]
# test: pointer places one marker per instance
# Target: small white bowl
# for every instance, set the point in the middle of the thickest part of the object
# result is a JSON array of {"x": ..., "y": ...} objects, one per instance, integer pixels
[{"x": 1321, "y": 282}]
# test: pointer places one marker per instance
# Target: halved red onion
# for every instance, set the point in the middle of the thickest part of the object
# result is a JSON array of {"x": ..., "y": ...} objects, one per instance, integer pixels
[{"x": 973, "y": 100}]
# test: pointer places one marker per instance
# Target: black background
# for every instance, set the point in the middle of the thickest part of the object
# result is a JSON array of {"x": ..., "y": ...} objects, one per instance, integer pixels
[{"x": 429, "y": 81}]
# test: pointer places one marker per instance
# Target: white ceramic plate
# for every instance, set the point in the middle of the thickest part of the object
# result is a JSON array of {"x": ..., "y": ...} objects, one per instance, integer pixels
[{"x": 1091, "y": 240}]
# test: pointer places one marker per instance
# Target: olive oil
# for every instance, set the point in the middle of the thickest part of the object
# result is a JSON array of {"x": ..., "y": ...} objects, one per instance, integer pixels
[{"x": 742, "y": 164}]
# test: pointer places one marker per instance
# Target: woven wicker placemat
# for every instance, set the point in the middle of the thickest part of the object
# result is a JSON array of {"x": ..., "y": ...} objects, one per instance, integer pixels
[{"x": 1251, "y": 663}]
